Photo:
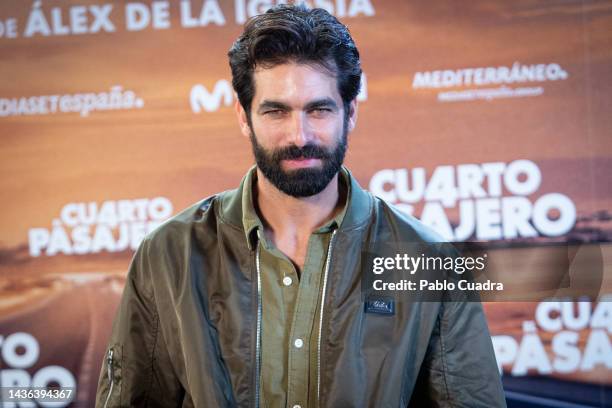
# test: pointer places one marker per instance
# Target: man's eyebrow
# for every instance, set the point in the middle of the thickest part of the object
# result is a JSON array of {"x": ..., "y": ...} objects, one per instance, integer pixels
[{"x": 316, "y": 104}]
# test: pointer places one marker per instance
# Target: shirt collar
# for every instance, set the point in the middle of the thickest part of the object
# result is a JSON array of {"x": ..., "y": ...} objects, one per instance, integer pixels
[{"x": 252, "y": 223}]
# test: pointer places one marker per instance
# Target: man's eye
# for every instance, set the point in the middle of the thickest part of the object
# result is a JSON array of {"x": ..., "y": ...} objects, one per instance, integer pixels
[
  {"x": 321, "y": 110},
  {"x": 274, "y": 112}
]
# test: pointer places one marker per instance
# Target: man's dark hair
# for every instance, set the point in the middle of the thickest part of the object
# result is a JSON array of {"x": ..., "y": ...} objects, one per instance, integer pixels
[{"x": 295, "y": 34}]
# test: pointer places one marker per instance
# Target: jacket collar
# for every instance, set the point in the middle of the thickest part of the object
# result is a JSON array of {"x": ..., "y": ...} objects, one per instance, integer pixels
[{"x": 358, "y": 212}]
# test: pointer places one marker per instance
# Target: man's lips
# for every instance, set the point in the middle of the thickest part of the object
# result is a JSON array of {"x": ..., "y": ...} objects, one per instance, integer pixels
[{"x": 301, "y": 163}]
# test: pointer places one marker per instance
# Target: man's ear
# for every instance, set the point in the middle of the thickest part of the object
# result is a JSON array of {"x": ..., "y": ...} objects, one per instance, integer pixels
[
  {"x": 242, "y": 119},
  {"x": 352, "y": 116}
]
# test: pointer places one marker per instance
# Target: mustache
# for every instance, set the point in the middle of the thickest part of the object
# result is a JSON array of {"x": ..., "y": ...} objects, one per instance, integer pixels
[{"x": 293, "y": 152}]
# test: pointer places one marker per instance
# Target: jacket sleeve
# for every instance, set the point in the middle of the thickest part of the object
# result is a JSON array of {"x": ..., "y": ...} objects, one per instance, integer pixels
[
  {"x": 137, "y": 370},
  {"x": 459, "y": 368}
]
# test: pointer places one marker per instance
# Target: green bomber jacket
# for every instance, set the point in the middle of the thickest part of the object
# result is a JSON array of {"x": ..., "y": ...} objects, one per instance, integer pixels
[{"x": 188, "y": 329}]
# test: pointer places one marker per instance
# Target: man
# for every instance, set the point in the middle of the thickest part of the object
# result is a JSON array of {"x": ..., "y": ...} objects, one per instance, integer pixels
[{"x": 252, "y": 298}]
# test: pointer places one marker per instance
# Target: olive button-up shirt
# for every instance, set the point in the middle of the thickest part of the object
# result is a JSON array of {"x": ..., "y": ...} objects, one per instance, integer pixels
[{"x": 291, "y": 304}]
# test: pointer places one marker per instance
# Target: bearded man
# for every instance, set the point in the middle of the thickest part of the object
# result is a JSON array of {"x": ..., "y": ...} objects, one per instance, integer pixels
[{"x": 252, "y": 297}]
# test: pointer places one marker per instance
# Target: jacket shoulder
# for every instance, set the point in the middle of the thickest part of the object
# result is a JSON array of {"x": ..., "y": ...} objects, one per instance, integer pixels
[
  {"x": 181, "y": 224},
  {"x": 407, "y": 226}
]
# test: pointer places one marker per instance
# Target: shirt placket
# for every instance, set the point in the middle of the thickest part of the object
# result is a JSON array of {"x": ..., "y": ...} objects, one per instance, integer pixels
[{"x": 300, "y": 347}]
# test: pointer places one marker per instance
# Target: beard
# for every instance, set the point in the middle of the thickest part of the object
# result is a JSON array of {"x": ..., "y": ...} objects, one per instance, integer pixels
[{"x": 300, "y": 182}]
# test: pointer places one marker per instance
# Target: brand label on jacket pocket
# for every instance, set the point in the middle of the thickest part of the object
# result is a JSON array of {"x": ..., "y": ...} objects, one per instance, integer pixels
[{"x": 380, "y": 306}]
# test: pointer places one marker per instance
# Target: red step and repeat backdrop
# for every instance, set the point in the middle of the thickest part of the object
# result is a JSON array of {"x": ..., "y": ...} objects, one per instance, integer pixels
[{"x": 489, "y": 120}]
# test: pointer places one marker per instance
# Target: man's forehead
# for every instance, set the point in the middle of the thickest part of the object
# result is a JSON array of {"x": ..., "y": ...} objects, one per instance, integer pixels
[{"x": 295, "y": 82}]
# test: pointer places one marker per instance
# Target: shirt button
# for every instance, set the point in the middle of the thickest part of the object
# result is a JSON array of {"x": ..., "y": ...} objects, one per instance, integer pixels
[
  {"x": 297, "y": 406},
  {"x": 298, "y": 343},
  {"x": 287, "y": 281}
]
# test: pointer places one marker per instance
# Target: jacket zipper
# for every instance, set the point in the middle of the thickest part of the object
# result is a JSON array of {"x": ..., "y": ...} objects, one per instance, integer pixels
[
  {"x": 258, "y": 329},
  {"x": 327, "y": 264},
  {"x": 109, "y": 373}
]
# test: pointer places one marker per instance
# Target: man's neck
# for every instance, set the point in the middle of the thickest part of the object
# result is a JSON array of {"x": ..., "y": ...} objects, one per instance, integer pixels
[{"x": 287, "y": 217}]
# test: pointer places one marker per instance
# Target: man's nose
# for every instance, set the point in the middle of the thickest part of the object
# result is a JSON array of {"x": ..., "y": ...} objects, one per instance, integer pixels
[{"x": 300, "y": 133}]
